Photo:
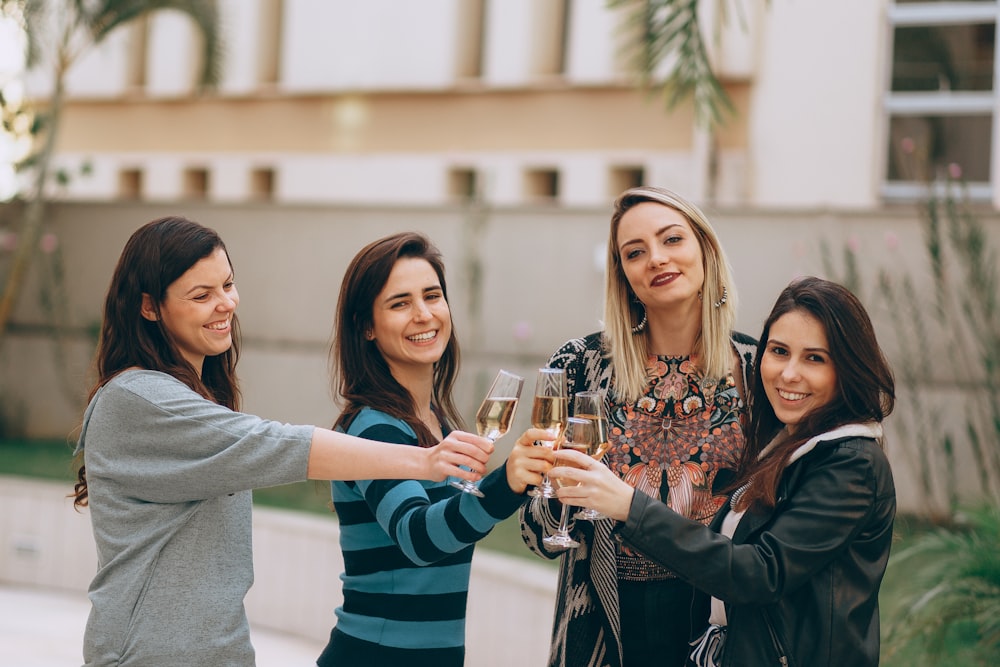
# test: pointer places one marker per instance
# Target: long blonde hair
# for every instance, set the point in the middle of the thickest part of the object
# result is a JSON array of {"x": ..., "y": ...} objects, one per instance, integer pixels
[{"x": 622, "y": 311}]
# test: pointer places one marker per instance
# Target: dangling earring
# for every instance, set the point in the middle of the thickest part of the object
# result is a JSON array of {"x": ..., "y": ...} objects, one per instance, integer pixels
[
  {"x": 637, "y": 329},
  {"x": 723, "y": 299}
]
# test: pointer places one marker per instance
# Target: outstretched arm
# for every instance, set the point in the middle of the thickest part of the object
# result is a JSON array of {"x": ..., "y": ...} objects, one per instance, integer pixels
[{"x": 339, "y": 456}]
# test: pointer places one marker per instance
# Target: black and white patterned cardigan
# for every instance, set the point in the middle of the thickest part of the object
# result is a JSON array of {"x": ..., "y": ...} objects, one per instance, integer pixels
[{"x": 587, "y": 627}]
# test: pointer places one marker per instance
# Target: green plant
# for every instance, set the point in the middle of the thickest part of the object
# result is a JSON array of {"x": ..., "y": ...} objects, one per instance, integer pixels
[{"x": 951, "y": 590}]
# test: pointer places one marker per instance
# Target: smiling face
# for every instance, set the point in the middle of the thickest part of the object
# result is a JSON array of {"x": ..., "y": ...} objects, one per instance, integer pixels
[
  {"x": 411, "y": 320},
  {"x": 198, "y": 309},
  {"x": 796, "y": 369},
  {"x": 660, "y": 255}
]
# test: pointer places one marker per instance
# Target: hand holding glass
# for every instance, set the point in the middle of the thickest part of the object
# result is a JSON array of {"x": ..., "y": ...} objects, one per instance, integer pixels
[
  {"x": 581, "y": 435},
  {"x": 590, "y": 405},
  {"x": 494, "y": 416},
  {"x": 549, "y": 412}
]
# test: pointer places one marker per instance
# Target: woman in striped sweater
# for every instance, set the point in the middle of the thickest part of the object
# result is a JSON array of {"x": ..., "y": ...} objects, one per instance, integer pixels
[{"x": 407, "y": 545}]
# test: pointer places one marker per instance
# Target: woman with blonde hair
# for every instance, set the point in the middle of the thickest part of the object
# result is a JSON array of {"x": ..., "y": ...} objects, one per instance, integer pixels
[{"x": 673, "y": 373}]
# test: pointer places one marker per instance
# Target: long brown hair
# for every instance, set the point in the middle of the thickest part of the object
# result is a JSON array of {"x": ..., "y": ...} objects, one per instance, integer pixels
[
  {"x": 156, "y": 255},
  {"x": 360, "y": 375},
  {"x": 865, "y": 387}
]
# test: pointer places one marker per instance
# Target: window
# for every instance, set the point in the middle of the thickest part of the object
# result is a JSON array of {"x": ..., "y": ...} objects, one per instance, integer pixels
[
  {"x": 551, "y": 18},
  {"x": 622, "y": 178},
  {"x": 196, "y": 183},
  {"x": 269, "y": 41},
  {"x": 940, "y": 105},
  {"x": 130, "y": 184},
  {"x": 469, "y": 54},
  {"x": 462, "y": 184},
  {"x": 541, "y": 184},
  {"x": 262, "y": 184}
]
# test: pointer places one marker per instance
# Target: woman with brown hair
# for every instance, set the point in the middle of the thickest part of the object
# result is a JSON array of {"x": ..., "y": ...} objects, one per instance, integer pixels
[
  {"x": 795, "y": 558},
  {"x": 169, "y": 462}
]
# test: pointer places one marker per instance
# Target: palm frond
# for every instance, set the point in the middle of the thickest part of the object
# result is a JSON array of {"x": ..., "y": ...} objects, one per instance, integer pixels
[
  {"x": 669, "y": 31},
  {"x": 953, "y": 580},
  {"x": 101, "y": 18}
]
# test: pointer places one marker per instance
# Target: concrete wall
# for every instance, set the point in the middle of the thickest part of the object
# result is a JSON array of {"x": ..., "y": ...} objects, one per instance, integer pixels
[
  {"x": 297, "y": 566},
  {"x": 542, "y": 283}
]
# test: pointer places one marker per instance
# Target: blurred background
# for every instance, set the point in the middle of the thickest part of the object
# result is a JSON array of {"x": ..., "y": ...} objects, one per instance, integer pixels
[{"x": 854, "y": 140}]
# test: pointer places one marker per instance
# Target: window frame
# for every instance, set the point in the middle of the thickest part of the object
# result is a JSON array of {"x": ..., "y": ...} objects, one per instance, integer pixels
[{"x": 942, "y": 103}]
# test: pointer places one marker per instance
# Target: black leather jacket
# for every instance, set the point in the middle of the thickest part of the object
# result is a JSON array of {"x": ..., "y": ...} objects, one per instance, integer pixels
[{"x": 801, "y": 581}]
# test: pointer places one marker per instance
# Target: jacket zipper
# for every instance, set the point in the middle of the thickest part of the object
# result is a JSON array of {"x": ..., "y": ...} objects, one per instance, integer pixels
[{"x": 782, "y": 658}]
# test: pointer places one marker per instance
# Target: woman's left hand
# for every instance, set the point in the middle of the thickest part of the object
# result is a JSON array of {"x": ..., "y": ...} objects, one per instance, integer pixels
[{"x": 597, "y": 488}]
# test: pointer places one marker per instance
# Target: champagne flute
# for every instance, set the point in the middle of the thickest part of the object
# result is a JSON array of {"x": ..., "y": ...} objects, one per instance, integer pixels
[
  {"x": 494, "y": 416},
  {"x": 549, "y": 412},
  {"x": 590, "y": 405},
  {"x": 581, "y": 435}
]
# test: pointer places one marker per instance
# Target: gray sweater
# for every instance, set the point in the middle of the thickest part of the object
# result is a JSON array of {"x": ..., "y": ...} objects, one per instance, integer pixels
[{"x": 169, "y": 476}]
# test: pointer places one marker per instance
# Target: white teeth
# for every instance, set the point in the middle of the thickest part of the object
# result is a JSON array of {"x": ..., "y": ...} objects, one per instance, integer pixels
[
  {"x": 790, "y": 396},
  {"x": 419, "y": 338},
  {"x": 218, "y": 326}
]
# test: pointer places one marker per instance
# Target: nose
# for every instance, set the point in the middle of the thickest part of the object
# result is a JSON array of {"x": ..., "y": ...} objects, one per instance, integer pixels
[
  {"x": 658, "y": 255},
  {"x": 790, "y": 371},
  {"x": 227, "y": 303},
  {"x": 421, "y": 311}
]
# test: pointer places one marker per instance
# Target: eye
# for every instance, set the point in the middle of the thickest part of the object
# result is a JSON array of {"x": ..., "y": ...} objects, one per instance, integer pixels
[
  {"x": 818, "y": 358},
  {"x": 633, "y": 253},
  {"x": 229, "y": 285},
  {"x": 778, "y": 350},
  {"x": 397, "y": 305},
  {"x": 200, "y": 297},
  {"x": 672, "y": 239}
]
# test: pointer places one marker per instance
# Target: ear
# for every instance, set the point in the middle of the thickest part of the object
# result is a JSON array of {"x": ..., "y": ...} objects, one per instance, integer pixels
[
  {"x": 369, "y": 335},
  {"x": 148, "y": 309}
]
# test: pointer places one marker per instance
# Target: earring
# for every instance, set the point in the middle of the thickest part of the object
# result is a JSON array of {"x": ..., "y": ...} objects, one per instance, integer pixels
[
  {"x": 639, "y": 328},
  {"x": 723, "y": 299},
  {"x": 369, "y": 335}
]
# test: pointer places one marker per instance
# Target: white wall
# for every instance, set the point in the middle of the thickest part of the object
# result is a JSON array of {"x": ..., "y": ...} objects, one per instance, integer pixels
[
  {"x": 816, "y": 105},
  {"x": 341, "y": 45}
]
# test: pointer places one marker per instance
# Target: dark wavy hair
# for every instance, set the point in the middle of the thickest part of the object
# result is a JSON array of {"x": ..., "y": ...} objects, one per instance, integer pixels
[
  {"x": 865, "y": 389},
  {"x": 360, "y": 375},
  {"x": 156, "y": 255}
]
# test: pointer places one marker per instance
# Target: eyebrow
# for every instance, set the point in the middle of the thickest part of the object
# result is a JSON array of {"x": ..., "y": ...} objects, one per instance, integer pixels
[
  {"x": 199, "y": 288},
  {"x": 659, "y": 231},
  {"x": 775, "y": 341},
  {"x": 401, "y": 295}
]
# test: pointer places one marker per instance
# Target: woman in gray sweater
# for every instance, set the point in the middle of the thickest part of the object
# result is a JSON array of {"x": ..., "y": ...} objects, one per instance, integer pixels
[{"x": 168, "y": 461}]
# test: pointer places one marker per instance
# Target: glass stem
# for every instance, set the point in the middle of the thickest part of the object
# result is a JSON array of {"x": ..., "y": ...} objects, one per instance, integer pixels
[{"x": 564, "y": 519}]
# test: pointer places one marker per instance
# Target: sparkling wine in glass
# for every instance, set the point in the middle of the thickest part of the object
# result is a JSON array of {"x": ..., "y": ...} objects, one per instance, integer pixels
[
  {"x": 581, "y": 435},
  {"x": 549, "y": 412},
  {"x": 590, "y": 405},
  {"x": 494, "y": 416}
]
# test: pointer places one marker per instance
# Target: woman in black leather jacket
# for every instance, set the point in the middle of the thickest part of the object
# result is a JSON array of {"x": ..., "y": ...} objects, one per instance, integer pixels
[{"x": 794, "y": 561}]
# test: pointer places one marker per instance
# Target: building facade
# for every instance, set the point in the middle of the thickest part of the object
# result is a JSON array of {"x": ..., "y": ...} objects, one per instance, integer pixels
[{"x": 849, "y": 105}]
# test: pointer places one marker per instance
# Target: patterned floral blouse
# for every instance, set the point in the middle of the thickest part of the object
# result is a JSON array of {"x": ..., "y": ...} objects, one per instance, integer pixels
[{"x": 672, "y": 444}]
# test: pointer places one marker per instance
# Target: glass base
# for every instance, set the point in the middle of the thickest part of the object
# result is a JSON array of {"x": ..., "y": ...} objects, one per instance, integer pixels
[
  {"x": 467, "y": 487},
  {"x": 558, "y": 540},
  {"x": 543, "y": 491},
  {"x": 589, "y": 515}
]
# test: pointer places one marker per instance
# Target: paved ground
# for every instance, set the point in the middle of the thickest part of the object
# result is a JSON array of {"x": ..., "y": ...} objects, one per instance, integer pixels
[{"x": 40, "y": 628}]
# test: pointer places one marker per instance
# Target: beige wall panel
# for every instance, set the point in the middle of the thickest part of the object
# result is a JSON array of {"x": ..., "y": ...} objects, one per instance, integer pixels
[{"x": 611, "y": 119}]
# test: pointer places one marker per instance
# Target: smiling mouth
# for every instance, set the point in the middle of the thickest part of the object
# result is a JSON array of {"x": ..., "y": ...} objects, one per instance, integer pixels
[
  {"x": 423, "y": 337},
  {"x": 662, "y": 279},
  {"x": 218, "y": 326},
  {"x": 791, "y": 395}
]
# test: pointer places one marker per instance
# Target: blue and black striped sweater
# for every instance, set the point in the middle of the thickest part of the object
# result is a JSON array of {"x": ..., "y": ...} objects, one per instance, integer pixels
[{"x": 407, "y": 549}]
